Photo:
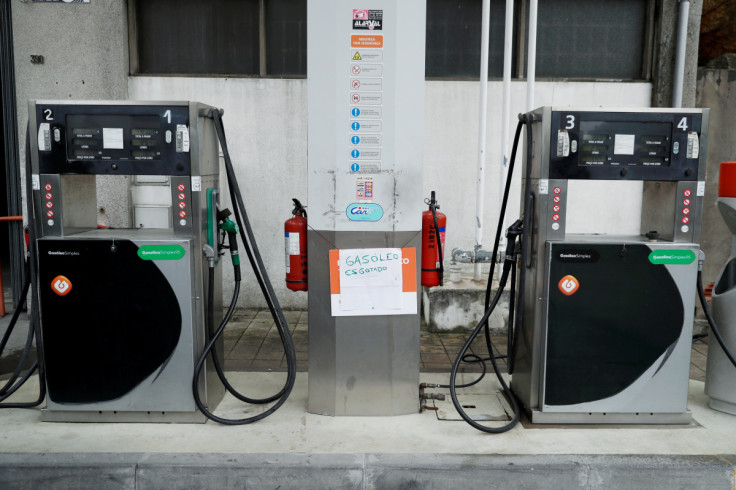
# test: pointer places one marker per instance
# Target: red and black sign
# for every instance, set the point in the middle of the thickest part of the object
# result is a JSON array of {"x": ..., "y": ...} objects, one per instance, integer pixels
[{"x": 371, "y": 20}]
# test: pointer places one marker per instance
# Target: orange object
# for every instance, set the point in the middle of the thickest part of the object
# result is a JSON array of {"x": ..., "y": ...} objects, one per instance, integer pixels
[
  {"x": 295, "y": 231},
  {"x": 366, "y": 41},
  {"x": 430, "y": 252},
  {"x": 727, "y": 180}
]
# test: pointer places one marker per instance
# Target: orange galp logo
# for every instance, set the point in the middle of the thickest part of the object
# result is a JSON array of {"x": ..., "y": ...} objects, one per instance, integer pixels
[
  {"x": 568, "y": 285},
  {"x": 61, "y": 285}
]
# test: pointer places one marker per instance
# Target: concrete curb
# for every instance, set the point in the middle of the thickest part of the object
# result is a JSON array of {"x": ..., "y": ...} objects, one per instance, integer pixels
[{"x": 143, "y": 471}]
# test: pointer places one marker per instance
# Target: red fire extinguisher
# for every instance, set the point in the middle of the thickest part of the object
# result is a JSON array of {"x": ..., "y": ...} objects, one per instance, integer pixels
[
  {"x": 295, "y": 235},
  {"x": 432, "y": 255}
]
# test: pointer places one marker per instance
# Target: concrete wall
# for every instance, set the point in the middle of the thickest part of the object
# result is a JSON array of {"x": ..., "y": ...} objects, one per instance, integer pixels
[
  {"x": 717, "y": 90},
  {"x": 86, "y": 57},
  {"x": 666, "y": 16},
  {"x": 267, "y": 135},
  {"x": 85, "y": 52}
]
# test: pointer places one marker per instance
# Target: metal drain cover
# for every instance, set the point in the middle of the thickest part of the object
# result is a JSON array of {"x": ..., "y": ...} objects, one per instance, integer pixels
[{"x": 480, "y": 407}]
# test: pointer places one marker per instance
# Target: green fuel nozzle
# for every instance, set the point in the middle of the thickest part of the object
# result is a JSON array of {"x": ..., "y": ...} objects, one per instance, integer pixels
[{"x": 231, "y": 228}]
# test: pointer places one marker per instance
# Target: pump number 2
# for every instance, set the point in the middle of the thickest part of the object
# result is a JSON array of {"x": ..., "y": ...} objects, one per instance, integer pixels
[
  {"x": 570, "y": 121},
  {"x": 682, "y": 124}
]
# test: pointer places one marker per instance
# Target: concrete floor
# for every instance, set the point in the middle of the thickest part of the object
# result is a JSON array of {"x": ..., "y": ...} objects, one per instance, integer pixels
[
  {"x": 296, "y": 449},
  {"x": 252, "y": 344}
]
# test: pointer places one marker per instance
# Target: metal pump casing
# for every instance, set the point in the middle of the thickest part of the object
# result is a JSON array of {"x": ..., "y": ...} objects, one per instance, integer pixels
[
  {"x": 606, "y": 321},
  {"x": 123, "y": 310}
]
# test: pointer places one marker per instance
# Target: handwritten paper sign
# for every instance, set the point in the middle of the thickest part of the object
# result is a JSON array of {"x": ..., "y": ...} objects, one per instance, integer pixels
[{"x": 373, "y": 281}]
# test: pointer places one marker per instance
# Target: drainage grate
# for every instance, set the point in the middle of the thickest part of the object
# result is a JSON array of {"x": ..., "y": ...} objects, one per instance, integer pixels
[{"x": 480, "y": 407}]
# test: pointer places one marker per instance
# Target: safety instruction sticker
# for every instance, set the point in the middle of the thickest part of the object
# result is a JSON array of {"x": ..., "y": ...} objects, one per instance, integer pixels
[
  {"x": 366, "y": 112},
  {"x": 365, "y": 84},
  {"x": 364, "y": 188},
  {"x": 366, "y": 55},
  {"x": 365, "y": 125},
  {"x": 374, "y": 281},
  {"x": 364, "y": 41}
]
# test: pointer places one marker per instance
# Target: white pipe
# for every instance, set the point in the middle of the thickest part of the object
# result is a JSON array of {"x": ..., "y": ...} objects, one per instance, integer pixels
[
  {"x": 531, "y": 62},
  {"x": 677, "y": 84},
  {"x": 508, "y": 45},
  {"x": 480, "y": 187}
]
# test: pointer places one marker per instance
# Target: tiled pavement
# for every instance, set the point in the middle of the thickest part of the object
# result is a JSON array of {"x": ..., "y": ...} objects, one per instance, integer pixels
[{"x": 252, "y": 344}]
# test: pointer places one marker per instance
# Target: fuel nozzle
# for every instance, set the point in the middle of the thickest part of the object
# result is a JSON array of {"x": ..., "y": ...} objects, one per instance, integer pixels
[{"x": 231, "y": 228}]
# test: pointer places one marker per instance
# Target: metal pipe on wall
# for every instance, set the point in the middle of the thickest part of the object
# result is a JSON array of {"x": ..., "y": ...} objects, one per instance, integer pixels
[
  {"x": 483, "y": 116},
  {"x": 508, "y": 45},
  {"x": 679, "y": 75},
  {"x": 531, "y": 61}
]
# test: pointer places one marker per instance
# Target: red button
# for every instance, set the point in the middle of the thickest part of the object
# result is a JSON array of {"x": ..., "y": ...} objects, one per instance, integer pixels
[
  {"x": 557, "y": 190},
  {"x": 182, "y": 196},
  {"x": 555, "y": 217},
  {"x": 49, "y": 204},
  {"x": 182, "y": 214},
  {"x": 48, "y": 187},
  {"x": 181, "y": 187},
  {"x": 556, "y": 208},
  {"x": 182, "y": 205},
  {"x": 50, "y": 213},
  {"x": 49, "y": 195},
  {"x": 685, "y": 220},
  {"x": 556, "y": 199},
  {"x": 686, "y": 202},
  {"x": 687, "y": 193},
  {"x": 686, "y": 211}
]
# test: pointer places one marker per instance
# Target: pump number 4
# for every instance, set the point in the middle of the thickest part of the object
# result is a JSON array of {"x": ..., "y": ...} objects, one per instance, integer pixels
[{"x": 682, "y": 124}]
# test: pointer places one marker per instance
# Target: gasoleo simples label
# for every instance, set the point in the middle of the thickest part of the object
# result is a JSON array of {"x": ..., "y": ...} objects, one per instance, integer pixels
[
  {"x": 161, "y": 252},
  {"x": 677, "y": 257}
]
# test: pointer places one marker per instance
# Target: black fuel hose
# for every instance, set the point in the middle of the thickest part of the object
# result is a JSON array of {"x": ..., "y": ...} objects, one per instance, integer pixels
[
  {"x": 259, "y": 270},
  {"x": 34, "y": 329},
  {"x": 712, "y": 322},
  {"x": 509, "y": 262},
  {"x": 472, "y": 358}
]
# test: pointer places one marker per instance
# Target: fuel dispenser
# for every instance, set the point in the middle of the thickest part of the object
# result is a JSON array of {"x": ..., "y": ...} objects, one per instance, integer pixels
[
  {"x": 131, "y": 317},
  {"x": 604, "y": 323},
  {"x": 122, "y": 310}
]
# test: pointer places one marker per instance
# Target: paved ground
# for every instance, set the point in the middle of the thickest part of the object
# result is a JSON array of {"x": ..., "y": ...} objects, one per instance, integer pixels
[{"x": 252, "y": 344}]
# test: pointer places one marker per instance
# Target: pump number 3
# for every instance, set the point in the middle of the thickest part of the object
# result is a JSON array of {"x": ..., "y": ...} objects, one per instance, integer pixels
[{"x": 570, "y": 121}]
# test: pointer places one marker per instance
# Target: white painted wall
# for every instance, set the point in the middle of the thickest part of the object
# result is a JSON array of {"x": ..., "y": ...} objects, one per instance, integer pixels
[{"x": 266, "y": 124}]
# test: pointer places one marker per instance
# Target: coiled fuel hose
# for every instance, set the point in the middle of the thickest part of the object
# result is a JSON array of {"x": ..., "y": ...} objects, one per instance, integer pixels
[
  {"x": 246, "y": 235},
  {"x": 515, "y": 235},
  {"x": 34, "y": 329}
]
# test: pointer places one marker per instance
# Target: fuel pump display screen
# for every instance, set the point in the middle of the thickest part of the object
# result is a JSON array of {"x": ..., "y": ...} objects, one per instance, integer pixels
[
  {"x": 624, "y": 143},
  {"x": 113, "y": 137},
  {"x": 620, "y": 145}
]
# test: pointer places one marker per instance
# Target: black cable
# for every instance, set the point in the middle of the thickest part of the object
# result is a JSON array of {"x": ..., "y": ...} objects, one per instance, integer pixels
[
  {"x": 712, "y": 322},
  {"x": 259, "y": 270}
]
